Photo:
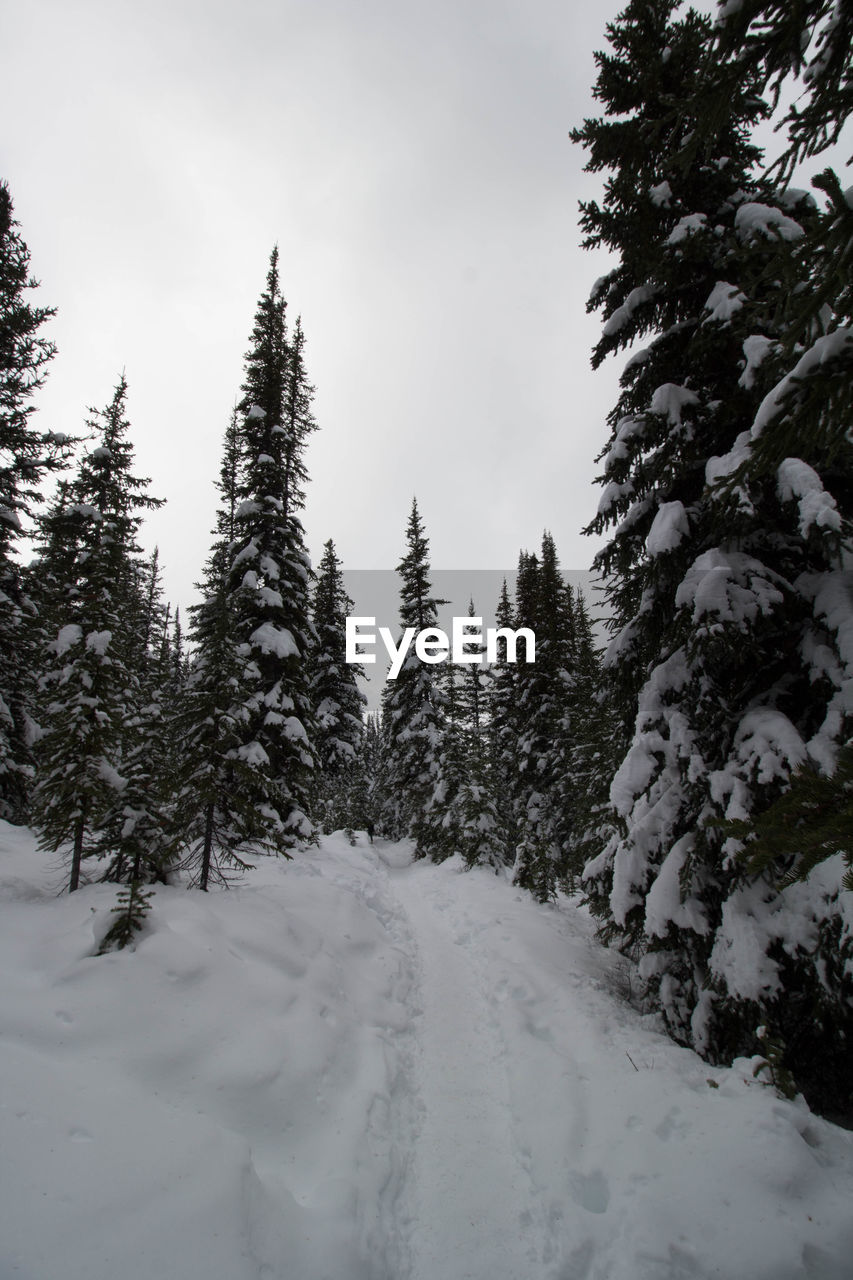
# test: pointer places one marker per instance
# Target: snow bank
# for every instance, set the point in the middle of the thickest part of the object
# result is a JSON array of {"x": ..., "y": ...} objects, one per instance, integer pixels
[
  {"x": 569, "y": 1140},
  {"x": 206, "y": 1107}
]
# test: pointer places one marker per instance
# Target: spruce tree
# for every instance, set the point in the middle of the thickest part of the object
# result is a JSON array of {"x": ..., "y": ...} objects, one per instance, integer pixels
[
  {"x": 720, "y": 570},
  {"x": 412, "y": 716},
  {"x": 215, "y": 816},
  {"x": 268, "y": 578},
  {"x": 136, "y": 834},
  {"x": 369, "y": 802},
  {"x": 338, "y": 701},
  {"x": 481, "y": 838},
  {"x": 584, "y": 789},
  {"x": 444, "y": 816},
  {"x": 502, "y": 730},
  {"x": 543, "y": 690},
  {"x": 26, "y": 456},
  {"x": 90, "y": 683}
]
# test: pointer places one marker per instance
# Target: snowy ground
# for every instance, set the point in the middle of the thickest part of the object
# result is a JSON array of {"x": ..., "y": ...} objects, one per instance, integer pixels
[{"x": 353, "y": 1068}]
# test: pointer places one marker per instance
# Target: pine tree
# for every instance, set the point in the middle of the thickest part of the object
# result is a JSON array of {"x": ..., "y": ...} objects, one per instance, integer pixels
[
  {"x": 89, "y": 685},
  {"x": 481, "y": 837},
  {"x": 136, "y": 833},
  {"x": 774, "y": 44},
  {"x": 443, "y": 819},
  {"x": 584, "y": 789},
  {"x": 502, "y": 731},
  {"x": 369, "y": 798},
  {"x": 411, "y": 712},
  {"x": 268, "y": 578},
  {"x": 26, "y": 456},
  {"x": 809, "y": 823},
  {"x": 215, "y": 816},
  {"x": 338, "y": 701},
  {"x": 543, "y": 692},
  {"x": 723, "y": 593}
]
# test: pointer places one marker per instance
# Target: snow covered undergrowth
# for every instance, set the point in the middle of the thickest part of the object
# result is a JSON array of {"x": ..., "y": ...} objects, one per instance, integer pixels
[{"x": 348, "y": 1067}]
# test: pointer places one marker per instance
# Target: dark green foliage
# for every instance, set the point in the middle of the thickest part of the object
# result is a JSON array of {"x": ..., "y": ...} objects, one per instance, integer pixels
[
  {"x": 772, "y": 1069},
  {"x": 137, "y": 832},
  {"x": 338, "y": 701},
  {"x": 26, "y": 456},
  {"x": 544, "y": 706},
  {"x": 502, "y": 732},
  {"x": 369, "y": 798},
  {"x": 481, "y": 836},
  {"x": 90, "y": 684},
  {"x": 214, "y": 817},
  {"x": 131, "y": 910},
  {"x": 594, "y": 743},
  {"x": 412, "y": 714},
  {"x": 728, "y": 502},
  {"x": 810, "y": 822},
  {"x": 24, "y": 357},
  {"x": 267, "y": 579},
  {"x": 771, "y": 41},
  {"x": 544, "y": 725}
]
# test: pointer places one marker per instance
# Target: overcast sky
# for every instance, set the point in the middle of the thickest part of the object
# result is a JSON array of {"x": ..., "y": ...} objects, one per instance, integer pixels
[{"x": 412, "y": 162}]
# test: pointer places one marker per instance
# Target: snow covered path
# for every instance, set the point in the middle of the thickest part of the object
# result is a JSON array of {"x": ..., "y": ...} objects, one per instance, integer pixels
[
  {"x": 349, "y": 1067},
  {"x": 470, "y": 1197},
  {"x": 563, "y": 1138}
]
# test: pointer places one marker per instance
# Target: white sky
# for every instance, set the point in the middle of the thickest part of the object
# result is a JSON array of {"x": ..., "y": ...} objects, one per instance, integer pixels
[{"x": 412, "y": 162}]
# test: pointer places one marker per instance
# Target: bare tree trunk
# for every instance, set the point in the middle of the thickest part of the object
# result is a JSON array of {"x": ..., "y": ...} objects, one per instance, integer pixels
[
  {"x": 77, "y": 856},
  {"x": 208, "y": 845}
]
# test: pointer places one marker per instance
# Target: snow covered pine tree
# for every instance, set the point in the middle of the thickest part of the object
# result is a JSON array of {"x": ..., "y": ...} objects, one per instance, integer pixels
[
  {"x": 25, "y": 456},
  {"x": 214, "y": 810},
  {"x": 90, "y": 688},
  {"x": 338, "y": 701},
  {"x": 724, "y": 594},
  {"x": 412, "y": 719},
  {"x": 543, "y": 691},
  {"x": 267, "y": 580}
]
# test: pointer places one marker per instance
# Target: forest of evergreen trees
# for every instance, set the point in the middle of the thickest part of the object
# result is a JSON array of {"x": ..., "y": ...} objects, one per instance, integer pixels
[{"x": 692, "y": 781}]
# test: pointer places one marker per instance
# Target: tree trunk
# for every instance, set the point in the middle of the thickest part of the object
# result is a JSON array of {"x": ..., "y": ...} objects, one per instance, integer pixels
[
  {"x": 77, "y": 856},
  {"x": 208, "y": 845}
]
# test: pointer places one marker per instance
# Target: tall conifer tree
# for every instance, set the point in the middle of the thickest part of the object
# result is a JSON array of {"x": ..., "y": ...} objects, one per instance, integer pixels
[
  {"x": 716, "y": 589},
  {"x": 338, "y": 701},
  {"x": 503, "y": 731},
  {"x": 268, "y": 577},
  {"x": 26, "y": 455},
  {"x": 91, "y": 678},
  {"x": 411, "y": 710}
]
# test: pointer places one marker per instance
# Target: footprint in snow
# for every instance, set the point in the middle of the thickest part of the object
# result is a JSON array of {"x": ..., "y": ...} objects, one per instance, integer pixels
[{"x": 590, "y": 1190}]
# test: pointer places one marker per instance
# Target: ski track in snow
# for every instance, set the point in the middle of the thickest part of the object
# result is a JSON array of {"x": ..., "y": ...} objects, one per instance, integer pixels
[
  {"x": 473, "y": 1205},
  {"x": 543, "y": 1152},
  {"x": 498, "y": 1189}
]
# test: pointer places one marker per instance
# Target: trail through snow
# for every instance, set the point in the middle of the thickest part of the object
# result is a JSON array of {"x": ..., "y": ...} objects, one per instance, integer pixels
[
  {"x": 353, "y": 1067},
  {"x": 471, "y": 1197},
  {"x": 563, "y": 1137}
]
